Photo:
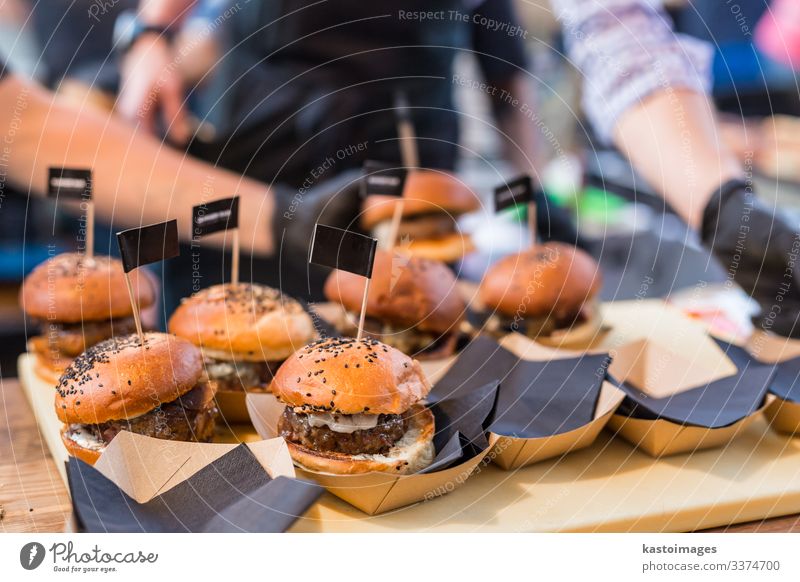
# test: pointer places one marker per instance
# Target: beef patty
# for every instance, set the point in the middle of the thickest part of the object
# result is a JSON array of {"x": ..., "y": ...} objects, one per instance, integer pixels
[
  {"x": 72, "y": 339},
  {"x": 294, "y": 427},
  {"x": 189, "y": 418},
  {"x": 238, "y": 376}
]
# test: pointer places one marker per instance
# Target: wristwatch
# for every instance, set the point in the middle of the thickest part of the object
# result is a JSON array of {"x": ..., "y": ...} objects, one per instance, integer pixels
[{"x": 128, "y": 28}]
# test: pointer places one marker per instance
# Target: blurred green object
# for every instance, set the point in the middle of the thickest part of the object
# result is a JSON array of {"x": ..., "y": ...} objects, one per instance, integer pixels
[
  {"x": 519, "y": 213},
  {"x": 597, "y": 205}
]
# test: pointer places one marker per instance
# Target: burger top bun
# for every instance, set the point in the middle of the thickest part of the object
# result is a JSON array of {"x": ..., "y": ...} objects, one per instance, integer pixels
[
  {"x": 350, "y": 376},
  {"x": 551, "y": 279},
  {"x": 405, "y": 291},
  {"x": 71, "y": 288},
  {"x": 243, "y": 322},
  {"x": 119, "y": 379},
  {"x": 425, "y": 191}
]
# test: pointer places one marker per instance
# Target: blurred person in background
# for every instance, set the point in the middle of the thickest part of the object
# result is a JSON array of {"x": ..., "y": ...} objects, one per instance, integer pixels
[{"x": 645, "y": 90}]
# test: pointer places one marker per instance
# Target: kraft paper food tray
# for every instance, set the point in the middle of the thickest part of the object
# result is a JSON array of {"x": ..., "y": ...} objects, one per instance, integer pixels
[
  {"x": 661, "y": 372},
  {"x": 512, "y": 453},
  {"x": 783, "y": 415},
  {"x": 144, "y": 467},
  {"x": 372, "y": 493},
  {"x": 142, "y": 484},
  {"x": 40, "y": 395}
]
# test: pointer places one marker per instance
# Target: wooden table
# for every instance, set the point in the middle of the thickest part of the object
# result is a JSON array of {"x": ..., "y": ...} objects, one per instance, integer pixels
[{"x": 33, "y": 497}]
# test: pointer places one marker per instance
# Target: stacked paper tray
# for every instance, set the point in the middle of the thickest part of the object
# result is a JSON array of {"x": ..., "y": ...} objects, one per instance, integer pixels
[{"x": 609, "y": 486}]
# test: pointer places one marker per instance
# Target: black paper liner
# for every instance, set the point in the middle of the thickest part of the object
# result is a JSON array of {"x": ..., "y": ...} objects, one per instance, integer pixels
[
  {"x": 460, "y": 426},
  {"x": 535, "y": 399},
  {"x": 717, "y": 404},
  {"x": 231, "y": 494},
  {"x": 786, "y": 383}
]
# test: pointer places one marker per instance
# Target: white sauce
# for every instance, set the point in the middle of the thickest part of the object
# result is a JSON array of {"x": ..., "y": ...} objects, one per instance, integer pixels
[
  {"x": 84, "y": 438},
  {"x": 347, "y": 423}
]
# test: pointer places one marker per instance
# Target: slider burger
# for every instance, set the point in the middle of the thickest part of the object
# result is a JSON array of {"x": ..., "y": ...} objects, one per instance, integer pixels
[
  {"x": 244, "y": 331},
  {"x": 353, "y": 406},
  {"x": 413, "y": 304},
  {"x": 542, "y": 290},
  {"x": 432, "y": 203},
  {"x": 156, "y": 390},
  {"x": 78, "y": 302}
]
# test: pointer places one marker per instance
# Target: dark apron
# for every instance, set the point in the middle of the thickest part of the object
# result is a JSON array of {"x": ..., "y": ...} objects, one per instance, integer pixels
[{"x": 303, "y": 83}]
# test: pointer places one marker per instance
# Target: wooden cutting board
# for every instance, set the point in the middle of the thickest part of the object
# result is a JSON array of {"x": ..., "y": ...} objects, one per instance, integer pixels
[{"x": 607, "y": 487}]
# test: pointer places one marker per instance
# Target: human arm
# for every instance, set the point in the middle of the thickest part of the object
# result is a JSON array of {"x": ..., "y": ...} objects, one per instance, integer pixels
[{"x": 137, "y": 179}]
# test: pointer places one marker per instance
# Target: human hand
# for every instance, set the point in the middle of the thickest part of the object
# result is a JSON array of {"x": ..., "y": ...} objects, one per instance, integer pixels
[
  {"x": 759, "y": 250},
  {"x": 151, "y": 85}
]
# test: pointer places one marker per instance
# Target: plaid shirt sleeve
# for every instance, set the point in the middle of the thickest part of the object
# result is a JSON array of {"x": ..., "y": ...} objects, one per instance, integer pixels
[{"x": 626, "y": 50}]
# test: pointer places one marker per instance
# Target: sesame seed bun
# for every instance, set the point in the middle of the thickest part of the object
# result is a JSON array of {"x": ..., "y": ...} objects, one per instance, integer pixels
[
  {"x": 404, "y": 291},
  {"x": 350, "y": 376},
  {"x": 552, "y": 279},
  {"x": 69, "y": 288},
  {"x": 119, "y": 379},
  {"x": 413, "y": 452},
  {"x": 49, "y": 364},
  {"x": 425, "y": 192},
  {"x": 245, "y": 322}
]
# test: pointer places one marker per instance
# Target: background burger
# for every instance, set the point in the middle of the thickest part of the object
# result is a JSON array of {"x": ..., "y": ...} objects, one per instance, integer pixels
[
  {"x": 413, "y": 304},
  {"x": 245, "y": 332},
  {"x": 155, "y": 390},
  {"x": 353, "y": 406},
  {"x": 78, "y": 302},
  {"x": 433, "y": 203},
  {"x": 541, "y": 290}
]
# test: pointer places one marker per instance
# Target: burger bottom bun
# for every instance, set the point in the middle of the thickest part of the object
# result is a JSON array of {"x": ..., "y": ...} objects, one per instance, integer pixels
[
  {"x": 587, "y": 329},
  {"x": 89, "y": 456},
  {"x": 49, "y": 365},
  {"x": 448, "y": 249},
  {"x": 443, "y": 348},
  {"x": 412, "y": 453}
]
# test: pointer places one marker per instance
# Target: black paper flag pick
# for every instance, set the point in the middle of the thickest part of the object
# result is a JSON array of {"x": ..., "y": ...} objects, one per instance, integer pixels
[
  {"x": 142, "y": 246},
  {"x": 517, "y": 191},
  {"x": 232, "y": 494},
  {"x": 75, "y": 184},
  {"x": 382, "y": 179},
  {"x": 70, "y": 183},
  {"x": 218, "y": 216},
  {"x": 148, "y": 244},
  {"x": 346, "y": 250},
  {"x": 215, "y": 216}
]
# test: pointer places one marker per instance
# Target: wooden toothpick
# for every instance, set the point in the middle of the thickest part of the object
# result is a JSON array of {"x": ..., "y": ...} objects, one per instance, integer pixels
[{"x": 363, "y": 313}]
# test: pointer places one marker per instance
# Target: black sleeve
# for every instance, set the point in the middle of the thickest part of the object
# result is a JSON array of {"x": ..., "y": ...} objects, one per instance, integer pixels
[{"x": 498, "y": 39}]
